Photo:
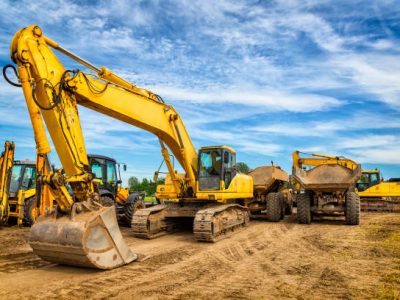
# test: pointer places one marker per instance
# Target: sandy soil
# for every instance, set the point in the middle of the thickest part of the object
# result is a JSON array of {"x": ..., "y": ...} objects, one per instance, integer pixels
[{"x": 265, "y": 261}]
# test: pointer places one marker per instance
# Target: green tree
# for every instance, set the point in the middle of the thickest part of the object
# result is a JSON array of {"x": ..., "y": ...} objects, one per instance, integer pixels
[
  {"x": 242, "y": 167},
  {"x": 133, "y": 183}
]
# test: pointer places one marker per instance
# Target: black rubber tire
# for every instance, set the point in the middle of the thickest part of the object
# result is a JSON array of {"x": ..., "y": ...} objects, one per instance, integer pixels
[
  {"x": 303, "y": 208},
  {"x": 352, "y": 211},
  {"x": 107, "y": 201},
  {"x": 274, "y": 207},
  {"x": 30, "y": 212},
  {"x": 130, "y": 207}
]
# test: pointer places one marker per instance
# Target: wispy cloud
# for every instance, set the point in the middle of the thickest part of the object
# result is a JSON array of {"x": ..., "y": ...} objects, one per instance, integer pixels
[{"x": 265, "y": 77}]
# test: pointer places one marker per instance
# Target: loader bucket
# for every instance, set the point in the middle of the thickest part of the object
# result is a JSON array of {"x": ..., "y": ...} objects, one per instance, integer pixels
[{"x": 90, "y": 239}]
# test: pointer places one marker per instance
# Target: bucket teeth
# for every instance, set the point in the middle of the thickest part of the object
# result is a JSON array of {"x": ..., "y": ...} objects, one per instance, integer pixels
[{"x": 91, "y": 239}]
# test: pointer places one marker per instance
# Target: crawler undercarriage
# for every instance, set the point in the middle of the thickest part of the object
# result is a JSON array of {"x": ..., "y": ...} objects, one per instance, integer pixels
[{"x": 212, "y": 221}]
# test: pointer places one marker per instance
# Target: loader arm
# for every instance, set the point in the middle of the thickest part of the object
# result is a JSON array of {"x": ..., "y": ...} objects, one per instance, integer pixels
[
  {"x": 6, "y": 164},
  {"x": 57, "y": 91}
]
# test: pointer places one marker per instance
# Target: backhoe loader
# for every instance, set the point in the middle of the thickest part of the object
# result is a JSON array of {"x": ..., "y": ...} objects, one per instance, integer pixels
[
  {"x": 17, "y": 190},
  {"x": 111, "y": 192},
  {"x": 81, "y": 231},
  {"x": 328, "y": 188},
  {"x": 377, "y": 194}
]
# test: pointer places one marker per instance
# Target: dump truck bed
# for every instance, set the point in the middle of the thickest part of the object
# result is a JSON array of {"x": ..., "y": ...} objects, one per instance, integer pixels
[
  {"x": 327, "y": 178},
  {"x": 264, "y": 177}
]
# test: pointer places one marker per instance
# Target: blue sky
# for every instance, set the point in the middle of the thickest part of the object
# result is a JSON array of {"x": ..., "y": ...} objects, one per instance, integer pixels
[{"x": 266, "y": 77}]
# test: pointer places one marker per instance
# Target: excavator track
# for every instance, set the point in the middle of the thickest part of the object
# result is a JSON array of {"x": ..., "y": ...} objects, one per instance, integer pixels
[
  {"x": 150, "y": 222},
  {"x": 218, "y": 222}
]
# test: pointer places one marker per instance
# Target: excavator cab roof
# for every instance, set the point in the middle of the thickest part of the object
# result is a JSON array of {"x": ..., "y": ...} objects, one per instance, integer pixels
[{"x": 218, "y": 147}]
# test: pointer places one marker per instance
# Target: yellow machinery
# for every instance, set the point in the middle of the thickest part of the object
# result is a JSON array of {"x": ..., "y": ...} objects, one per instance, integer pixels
[
  {"x": 272, "y": 197},
  {"x": 18, "y": 189},
  {"x": 82, "y": 232},
  {"x": 327, "y": 188},
  {"x": 377, "y": 194},
  {"x": 108, "y": 177}
]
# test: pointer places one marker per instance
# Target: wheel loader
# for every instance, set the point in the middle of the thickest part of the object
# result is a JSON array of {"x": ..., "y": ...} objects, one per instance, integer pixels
[
  {"x": 272, "y": 198},
  {"x": 327, "y": 188},
  {"x": 108, "y": 177},
  {"x": 81, "y": 231},
  {"x": 18, "y": 205},
  {"x": 377, "y": 194}
]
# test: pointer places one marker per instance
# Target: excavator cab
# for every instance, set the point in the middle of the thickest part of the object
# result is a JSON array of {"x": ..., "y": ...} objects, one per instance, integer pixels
[
  {"x": 368, "y": 179},
  {"x": 217, "y": 167}
]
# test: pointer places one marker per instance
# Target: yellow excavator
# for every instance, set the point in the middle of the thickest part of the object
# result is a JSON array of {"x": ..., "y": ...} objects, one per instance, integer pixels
[
  {"x": 81, "y": 231},
  {"x": 18, "y": 205},
  {"x": 377, "y": 194}
]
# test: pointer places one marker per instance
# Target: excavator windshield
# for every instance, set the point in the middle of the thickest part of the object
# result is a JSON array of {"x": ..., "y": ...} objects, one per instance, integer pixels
[
  {"x": 210, "y": 169},
  {"x": 216, "y": 165}
]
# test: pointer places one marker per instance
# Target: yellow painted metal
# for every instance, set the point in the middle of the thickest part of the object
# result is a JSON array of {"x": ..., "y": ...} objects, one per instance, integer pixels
[
  {"x": 6, "y": 164},
  {"x": 318, "y": 160},
  {"x": 384, "y": 189},
  {"x": 85, "y": 233},
  {"x": 119, "y": 99}
]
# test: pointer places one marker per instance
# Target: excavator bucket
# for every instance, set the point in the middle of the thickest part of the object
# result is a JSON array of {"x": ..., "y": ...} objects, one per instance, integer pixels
[{"x": 90, "y": 239}]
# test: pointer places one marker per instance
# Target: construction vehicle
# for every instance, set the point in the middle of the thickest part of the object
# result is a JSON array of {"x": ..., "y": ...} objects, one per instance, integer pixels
[
  {"x": 377, "y": 194},
  {"x": 272, "y": 197},
  {"x": 108, "y": 175},
  {"x": 81, "y": 231},
  {"x": 18, "y": 204},
  {"x": 327, "y": 188}
]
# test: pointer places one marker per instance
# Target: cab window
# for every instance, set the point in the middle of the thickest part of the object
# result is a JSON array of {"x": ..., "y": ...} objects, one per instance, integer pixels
[
  {"x": 15, "y": 178},
  {"x": 228, "y": 168},
  {"x": 210, "y": 169},
  {"x": 97, "y": 168},
  {"x": 111, "y": 173},
  {"x": 29, "y": 178},
  {"x": 374, "y": 178}
]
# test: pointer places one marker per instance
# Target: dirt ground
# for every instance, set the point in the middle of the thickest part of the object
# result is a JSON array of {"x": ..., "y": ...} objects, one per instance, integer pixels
[{"x": 323, "y": 260}]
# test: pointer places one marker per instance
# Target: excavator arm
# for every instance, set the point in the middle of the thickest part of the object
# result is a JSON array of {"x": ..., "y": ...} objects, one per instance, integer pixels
[{"x": 55, "y": 92}]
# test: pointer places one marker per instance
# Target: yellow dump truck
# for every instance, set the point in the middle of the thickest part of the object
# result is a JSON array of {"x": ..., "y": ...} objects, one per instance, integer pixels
[
  {"x": 326, "y": 188},
  {"x": 272, "y": 196}
]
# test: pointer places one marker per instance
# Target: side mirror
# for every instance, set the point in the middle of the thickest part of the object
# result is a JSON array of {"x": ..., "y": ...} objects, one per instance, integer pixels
[
  {"x": 155, "y": 177},
  {"x": 124, "y": 167},
  {"x": 119, "y": 181},
  {"x": 226, "y": 157}
]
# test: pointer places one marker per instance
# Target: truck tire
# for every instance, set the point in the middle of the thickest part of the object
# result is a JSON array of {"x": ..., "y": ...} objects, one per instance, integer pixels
[
  {"x": 107, "y": 201},
  {"x": 274, "y": 207},
  {"x": 303, "y": 208},
  {"x": 352, "y": 209},
  {"x": 133, "y": 203},
  {"x": 30, "y": 212}
]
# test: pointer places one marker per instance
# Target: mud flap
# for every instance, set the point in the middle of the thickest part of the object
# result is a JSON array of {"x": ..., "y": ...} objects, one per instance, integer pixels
[{"x": 90, "y": 239}]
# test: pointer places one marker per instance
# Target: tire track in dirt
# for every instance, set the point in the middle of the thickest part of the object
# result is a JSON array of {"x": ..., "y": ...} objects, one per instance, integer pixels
[{"x": 270, "y": 260}]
